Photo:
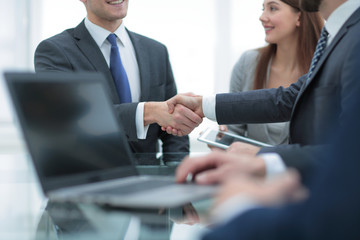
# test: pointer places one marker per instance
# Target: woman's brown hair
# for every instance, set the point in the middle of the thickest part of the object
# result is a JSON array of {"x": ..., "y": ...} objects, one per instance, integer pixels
[{"x": 309, "y": 33}]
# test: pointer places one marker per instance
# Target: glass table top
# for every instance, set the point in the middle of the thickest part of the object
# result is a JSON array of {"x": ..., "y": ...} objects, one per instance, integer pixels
[{"x": 27, "y": 215}]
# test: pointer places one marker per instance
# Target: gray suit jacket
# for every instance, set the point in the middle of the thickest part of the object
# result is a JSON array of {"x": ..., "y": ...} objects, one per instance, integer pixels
[
  {"x": 314, "y": 110},
  {"x": 75, "y": 50},
  {"x": 242, "y": 79}
]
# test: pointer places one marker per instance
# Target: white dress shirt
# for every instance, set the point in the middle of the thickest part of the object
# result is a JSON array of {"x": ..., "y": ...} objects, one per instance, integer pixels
[
  {"x": 233, "y": 206},
  {"x": 339, "y": 17},
  {"x": 128, "y": 59}
]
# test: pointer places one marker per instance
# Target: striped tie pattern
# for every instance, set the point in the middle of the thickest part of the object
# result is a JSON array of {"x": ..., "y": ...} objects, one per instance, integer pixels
[{"x": 320, "y": 48}]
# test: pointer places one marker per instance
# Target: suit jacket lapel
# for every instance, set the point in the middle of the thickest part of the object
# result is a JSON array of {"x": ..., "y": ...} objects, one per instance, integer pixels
[
  {"x": 328, "y": 50},
  {"x": 320, "y": 63},
  {"x": 143, "y": 60},
  {"x": 342, "y": 32},
  {"x": 90, "y": 49}
]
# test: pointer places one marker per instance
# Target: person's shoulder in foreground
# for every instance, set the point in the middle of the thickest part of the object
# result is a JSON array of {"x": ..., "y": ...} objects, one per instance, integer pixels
[{"x": 331, "y": 211}]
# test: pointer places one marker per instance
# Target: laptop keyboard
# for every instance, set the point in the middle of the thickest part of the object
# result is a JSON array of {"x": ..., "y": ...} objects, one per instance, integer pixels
[{"x": 135, "y": 187}]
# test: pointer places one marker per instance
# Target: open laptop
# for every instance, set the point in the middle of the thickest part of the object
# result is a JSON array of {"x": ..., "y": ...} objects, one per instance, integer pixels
[{"x": 78, "y": 146}]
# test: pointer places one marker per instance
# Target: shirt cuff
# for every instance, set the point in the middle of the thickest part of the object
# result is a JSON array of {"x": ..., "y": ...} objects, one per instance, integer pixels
[
  {"x": 141, "y": 130},
  {"x": 273, "y": 163},
  {"x": 208, "y": 105},
  {"x": 232, "y": 208}
]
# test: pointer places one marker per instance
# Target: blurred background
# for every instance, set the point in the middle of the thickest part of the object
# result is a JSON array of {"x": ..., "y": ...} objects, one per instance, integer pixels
[{"x": 204, "y": 38}]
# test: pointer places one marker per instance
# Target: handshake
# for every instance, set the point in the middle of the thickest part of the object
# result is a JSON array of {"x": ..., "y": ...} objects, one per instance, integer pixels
[{"x": 177, "y": 116}]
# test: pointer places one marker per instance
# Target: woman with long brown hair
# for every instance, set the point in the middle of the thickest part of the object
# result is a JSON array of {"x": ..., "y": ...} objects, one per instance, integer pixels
[{"x": 292, "y": 36}]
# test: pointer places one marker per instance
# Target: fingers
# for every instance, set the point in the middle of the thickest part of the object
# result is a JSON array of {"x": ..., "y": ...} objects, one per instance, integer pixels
[
  {"x": 185, "y": 120},
  {"x": 211, "y": 176},
  {"x": 223, "y": 128},
  {"x": 176, "y": 132},
  {"x": 171, "y": 103},
  {"x": 230, "y": 166},
  {"x": 173, "y": 131},
  {"x": 198, "y": 165},
  {"x": 193, "y": 102},
  {"x": 282, "y": 189},
  {"x": 243, "y": 148},
  {"x": 189, "y": 165},
  {"x": 187, "y": 111},
  {"x": 193, "y": 119},
  {"x": 191, "y": 215},
  {"x": 231, "y": 187},
  {"x": 212, "y": 148}
]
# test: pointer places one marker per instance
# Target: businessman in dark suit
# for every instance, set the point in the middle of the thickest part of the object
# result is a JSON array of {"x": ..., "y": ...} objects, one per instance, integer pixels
[
  {"x": 147, "y": 66},
  {"x": 331, "y": 210},
  {"x": 313, "y": 106}
]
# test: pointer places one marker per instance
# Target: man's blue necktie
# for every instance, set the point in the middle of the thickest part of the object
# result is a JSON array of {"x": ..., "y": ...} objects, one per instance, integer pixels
[
  {"x": 118, "y": 72},
  {"x": 320, "y": 48}
]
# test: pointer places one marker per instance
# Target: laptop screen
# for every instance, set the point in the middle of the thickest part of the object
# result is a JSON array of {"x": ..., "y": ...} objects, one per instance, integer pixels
[{"x": 70, "y": 128}]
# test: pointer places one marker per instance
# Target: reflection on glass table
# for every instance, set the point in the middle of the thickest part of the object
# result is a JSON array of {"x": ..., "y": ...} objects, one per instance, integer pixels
[
  {"x": 166, "y": 159},
  {"x": 87, "y": 221}
]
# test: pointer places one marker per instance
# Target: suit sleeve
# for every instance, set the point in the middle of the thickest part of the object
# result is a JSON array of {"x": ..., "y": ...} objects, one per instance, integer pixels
[
  {"x": 257, "y": 106},
  {"x": 172, "y": 144}
]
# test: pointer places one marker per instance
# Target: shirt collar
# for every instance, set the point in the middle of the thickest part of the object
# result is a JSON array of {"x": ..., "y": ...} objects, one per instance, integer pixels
[
  {"x": 337, "y": 19},
  {"x": 122, "y": 34},
  {"x": 100, "y": 34}
]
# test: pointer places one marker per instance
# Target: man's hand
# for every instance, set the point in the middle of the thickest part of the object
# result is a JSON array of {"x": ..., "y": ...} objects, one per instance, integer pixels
[
  {"x": 223, "y": 128},
  {"x": 189, "y": 216},
  {"x": 243, "y": 148},
  {"x": 189, "y": 100},
  {"x": 217, "y": 166},
  {"x": 282, "y": 189},
  {"x": 182, "y": 118}
]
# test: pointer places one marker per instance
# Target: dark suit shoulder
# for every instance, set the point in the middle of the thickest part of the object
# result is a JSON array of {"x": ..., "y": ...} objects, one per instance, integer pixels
[{"x": 71, "y": 50}]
